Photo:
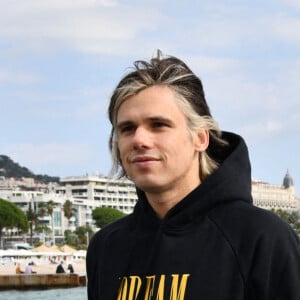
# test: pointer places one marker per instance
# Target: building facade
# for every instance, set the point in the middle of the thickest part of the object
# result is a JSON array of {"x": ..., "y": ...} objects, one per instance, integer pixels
[
  {"x": 89, "y": 192},
  {"x": 276, "y": 197},
  {"x": 84, "y": 192},
  {"x": 101, "y": 190}
]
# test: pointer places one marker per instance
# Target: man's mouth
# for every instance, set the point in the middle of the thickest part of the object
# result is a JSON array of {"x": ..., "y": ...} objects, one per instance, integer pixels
[{"x": 144, "y": 158}]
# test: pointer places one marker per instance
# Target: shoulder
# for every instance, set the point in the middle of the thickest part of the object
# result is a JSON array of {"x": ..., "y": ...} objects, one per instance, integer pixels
[
  {"x": 103, "y": 241},
  {"x": 116, "y": 228},
  {"x": 251, "y": 231},
  {"x": 117, "y": 225},
  {"x": 266, "y": 249},
  {"x": 243, "y": 217},
  {"x": 259, "y": 239}
]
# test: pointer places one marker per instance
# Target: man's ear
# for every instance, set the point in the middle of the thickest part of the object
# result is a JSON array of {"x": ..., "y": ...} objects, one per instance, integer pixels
[{"x": 201, "y": 140}]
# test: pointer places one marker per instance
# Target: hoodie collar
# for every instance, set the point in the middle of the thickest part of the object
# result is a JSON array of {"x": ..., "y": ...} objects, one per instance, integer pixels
[{"x": 230, "y": 182}]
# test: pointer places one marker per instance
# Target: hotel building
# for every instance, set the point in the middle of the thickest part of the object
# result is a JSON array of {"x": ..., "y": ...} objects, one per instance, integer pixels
[
  {"x": 270, "y": 196},
  {"x": 85, "y": 192},
  {"x": 88, "y": 192}
]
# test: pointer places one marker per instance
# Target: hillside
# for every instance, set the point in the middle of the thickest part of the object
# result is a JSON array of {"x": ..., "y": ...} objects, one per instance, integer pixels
[{"x": 9, "y": 168}]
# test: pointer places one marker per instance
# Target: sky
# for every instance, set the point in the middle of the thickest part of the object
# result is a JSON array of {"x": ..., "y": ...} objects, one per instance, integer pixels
[{"x": 61, "y": 59}]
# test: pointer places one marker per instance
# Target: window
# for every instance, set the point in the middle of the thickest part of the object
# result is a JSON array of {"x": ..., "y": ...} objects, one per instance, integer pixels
[{"x": 56, "y": 219}]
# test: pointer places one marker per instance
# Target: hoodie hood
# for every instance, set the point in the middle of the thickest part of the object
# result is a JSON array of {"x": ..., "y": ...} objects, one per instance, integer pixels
[{"x": 230, "y": 182}]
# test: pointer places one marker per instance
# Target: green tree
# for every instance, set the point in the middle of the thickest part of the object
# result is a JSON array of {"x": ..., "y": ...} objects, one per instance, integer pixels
[
  {"x": 71, "y": 238},
  {"x": 47, "y": 208},
  {"x": 43, "y": 229},
  {"x": 69, "y": 210},
  {"x": 9, "y": 168},
  {"x": 33, "y": 219},
  {"x": 42, "y": 209},
  {"x": 106, "y": 215},
  {"x": 11, "y": 216},
  {"x": 291, "y": 218},
  {"x": 50, "y": 208},
  {"x": 84, "y": 234}
]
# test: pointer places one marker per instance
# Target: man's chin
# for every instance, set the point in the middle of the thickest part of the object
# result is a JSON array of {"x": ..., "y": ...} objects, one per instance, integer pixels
[{"x": 148, "y": 186}]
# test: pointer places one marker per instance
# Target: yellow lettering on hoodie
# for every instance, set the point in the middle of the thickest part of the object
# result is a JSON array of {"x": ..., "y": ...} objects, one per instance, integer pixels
[
  {"x": 122, "y": 292},
  {"x": 134, "y": 287},
  {"x": 149, "y": 287},
  {"x": 175, "y": 293},
  {"x": 161, "y": 288}
]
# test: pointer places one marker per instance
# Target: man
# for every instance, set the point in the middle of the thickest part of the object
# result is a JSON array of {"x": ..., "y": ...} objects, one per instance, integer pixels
[
  {"x": 18, "y": 269},
  {"x": 28, "y": 269},
  {"x": 70, "y": 268},
  {"x": 194, "y": 233},
  {"x": 60, "y": 268}
]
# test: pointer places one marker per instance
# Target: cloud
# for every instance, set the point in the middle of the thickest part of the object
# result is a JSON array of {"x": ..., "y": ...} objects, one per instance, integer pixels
[
  {"x": 87, "y": 26},
  {"x": 17, "y": 77},
  {"x": 260, "y": 104},
  {"x": 72, "y": 106},
  {"x": 211, "y": 65},
  {"x": 115, "y": 28},
  {"x": 293, "y": 3},
  {"x": 287, "y": 29},
  {"x": 262, "y": 131}
]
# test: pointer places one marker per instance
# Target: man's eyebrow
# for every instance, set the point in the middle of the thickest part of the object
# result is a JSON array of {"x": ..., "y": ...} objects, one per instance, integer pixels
[
  {"x": 124, "y": 123},
  {"x": 161, "y": 119},
  {"x": 152, "y": 118}
]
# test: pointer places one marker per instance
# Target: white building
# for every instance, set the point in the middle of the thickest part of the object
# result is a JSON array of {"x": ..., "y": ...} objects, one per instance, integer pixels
[
  {"x": 88, "y": 192},
  {"x": 31, "y": 199},
  {"x": 270, "y": 196},
  {"x": 85, "y": 192},
  {"x": 102, "y": 191}
]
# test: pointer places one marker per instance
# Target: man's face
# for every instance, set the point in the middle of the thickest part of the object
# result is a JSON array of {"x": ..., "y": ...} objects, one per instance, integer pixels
[{"x": 156, "y": 149}]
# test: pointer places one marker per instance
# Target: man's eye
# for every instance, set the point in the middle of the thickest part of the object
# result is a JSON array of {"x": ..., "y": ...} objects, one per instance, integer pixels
[
  {"x": 126, "y": 129},
  {"x": 159, "y": 124}
]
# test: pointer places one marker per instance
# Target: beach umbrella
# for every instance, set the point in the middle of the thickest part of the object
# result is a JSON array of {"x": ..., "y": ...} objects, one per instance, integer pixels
[
  {"x": 55, "y": 248},
  {"x": 67, "y": 248},
  {"x": 42, "y": 248}
]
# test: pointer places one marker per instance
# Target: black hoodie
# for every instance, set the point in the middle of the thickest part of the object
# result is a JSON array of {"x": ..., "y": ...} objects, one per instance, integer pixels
[{"x": 213, "y": 245}]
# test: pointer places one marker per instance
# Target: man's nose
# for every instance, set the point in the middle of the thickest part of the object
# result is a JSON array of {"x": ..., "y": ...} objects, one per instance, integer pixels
[{"x": 141, "y": 137}]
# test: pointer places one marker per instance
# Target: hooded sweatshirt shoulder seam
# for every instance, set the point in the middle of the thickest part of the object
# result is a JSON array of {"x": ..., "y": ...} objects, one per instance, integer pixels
[{"x": 226, "y": 238}]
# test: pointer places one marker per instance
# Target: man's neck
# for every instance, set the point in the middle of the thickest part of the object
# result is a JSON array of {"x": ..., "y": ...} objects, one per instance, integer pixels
[{"x": 163, "y": 202}]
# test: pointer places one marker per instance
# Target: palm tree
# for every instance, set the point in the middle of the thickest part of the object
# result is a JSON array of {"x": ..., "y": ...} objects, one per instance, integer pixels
[
  {"x": 42, "y": 209},
  {"x": 32, "y": 218},
  {"x": 50, "y": 208},
  {"x": 69, "y": 210}
]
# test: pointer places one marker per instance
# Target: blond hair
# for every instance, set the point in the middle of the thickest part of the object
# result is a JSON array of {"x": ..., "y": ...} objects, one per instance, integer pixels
[{"x": 174, "y": 73}]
